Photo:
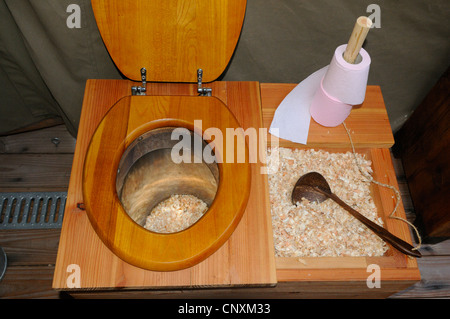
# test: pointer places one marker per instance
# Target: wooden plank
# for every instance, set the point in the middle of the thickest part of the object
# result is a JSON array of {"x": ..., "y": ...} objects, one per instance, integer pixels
[
  {"x": 435, "y": 281},
  {"x": 368, "y": 123},
  {"x": 384, "y": 173},
  {"x": 251, "y": 245},
  {"x": 44, "y": 141},
  {"x": 321, "y": 263},
  {"x": 26, "y": 247},
  {"x": 285, "y": 290},
  {"x": 245, "y": 259},
  {"x": 436, "y": 268},
  {"x": 441, "y": 248},
  {"x": 29, "y": 172},
  {"x": 24, "y": 282}
]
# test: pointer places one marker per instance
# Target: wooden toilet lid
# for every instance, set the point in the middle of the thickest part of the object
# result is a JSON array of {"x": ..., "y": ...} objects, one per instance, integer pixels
[
  {"x": 170, "y": 38},
  {"x": 127, "y": 120}
]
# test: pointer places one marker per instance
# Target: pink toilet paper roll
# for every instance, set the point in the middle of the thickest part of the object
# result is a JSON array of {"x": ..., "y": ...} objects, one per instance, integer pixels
[
  {"x": 328, "y": 111},
  {"x": 345, "y": 81},
  {"x": 343, "y": 85}
]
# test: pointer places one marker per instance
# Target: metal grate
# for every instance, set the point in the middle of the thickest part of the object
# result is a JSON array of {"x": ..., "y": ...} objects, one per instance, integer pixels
[{"x": 32, "y": 210}]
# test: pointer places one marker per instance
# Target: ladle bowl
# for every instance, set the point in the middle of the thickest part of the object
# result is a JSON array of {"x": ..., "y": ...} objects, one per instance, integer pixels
[{"x": 314, "y": 187}]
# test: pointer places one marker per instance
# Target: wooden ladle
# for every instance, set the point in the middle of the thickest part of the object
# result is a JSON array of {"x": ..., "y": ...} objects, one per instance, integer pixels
[{"x": 314, "y": 187}]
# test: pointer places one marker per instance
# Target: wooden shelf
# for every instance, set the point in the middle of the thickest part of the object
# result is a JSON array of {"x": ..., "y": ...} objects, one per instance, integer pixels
[{"x": 368, "y": 123}]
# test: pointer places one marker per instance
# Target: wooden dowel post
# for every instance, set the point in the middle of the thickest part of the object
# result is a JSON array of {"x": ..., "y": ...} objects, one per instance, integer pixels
[{"x": 362, "y": 27}]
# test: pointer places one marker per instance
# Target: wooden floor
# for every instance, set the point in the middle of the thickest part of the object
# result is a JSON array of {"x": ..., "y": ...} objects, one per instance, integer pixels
[{"x": 41, "y": 161}]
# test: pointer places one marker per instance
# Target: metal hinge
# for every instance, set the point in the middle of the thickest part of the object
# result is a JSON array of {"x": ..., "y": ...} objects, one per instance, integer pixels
[
  {"x": 141, "y": 90},
  {"x": 201, "y": 90}
]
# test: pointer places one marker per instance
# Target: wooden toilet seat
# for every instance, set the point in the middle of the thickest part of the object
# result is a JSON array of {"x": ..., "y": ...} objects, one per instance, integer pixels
[
  {"x": 172, "y": 40},
  {"x": 131, "y": 117}
]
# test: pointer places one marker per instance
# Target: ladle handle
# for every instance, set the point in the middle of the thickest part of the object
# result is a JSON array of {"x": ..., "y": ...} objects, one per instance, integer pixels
[{"x": 396, "y": 242}]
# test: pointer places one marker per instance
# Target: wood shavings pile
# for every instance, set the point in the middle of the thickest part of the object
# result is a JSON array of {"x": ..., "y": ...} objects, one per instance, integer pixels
[
  {"x": 311, "y": 229},
  {"x": 176, "y": 213}
]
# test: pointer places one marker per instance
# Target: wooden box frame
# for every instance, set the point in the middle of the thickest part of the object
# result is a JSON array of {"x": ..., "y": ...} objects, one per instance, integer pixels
[{"x": 322, "y": 277}]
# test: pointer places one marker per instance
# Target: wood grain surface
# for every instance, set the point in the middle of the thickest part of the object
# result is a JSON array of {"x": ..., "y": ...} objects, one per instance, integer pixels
[
  {"x": 423, "y": 143},
  {"x": 368, "y": 122},
  {"x": 311, "y": 276},
  {"x": 124, "y": 123},
  {"x": 32, "y": 253},
  {"x": 372, "y": 136},
  {"x": 171, "y": 41},
  {"x": 247, "y": 258}
]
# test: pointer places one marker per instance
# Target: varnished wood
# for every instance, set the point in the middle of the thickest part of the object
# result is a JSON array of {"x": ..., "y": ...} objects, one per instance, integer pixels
[
  {"x": 247, "y": 258},
  {"x": 368, "y": 123},
  {"x": 171, "y": 39},
  {"x": 30, "y": 279},
  {"x": 306, "y": 277},
  {"x": 124, "y": 123}
]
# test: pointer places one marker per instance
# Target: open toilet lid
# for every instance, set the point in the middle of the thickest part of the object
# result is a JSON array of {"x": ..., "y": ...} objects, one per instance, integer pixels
[{"x": 172, "y": 39}]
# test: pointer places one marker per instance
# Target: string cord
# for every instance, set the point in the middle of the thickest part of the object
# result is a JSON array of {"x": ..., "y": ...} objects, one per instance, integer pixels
[{"x": 397, "y": 193}]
